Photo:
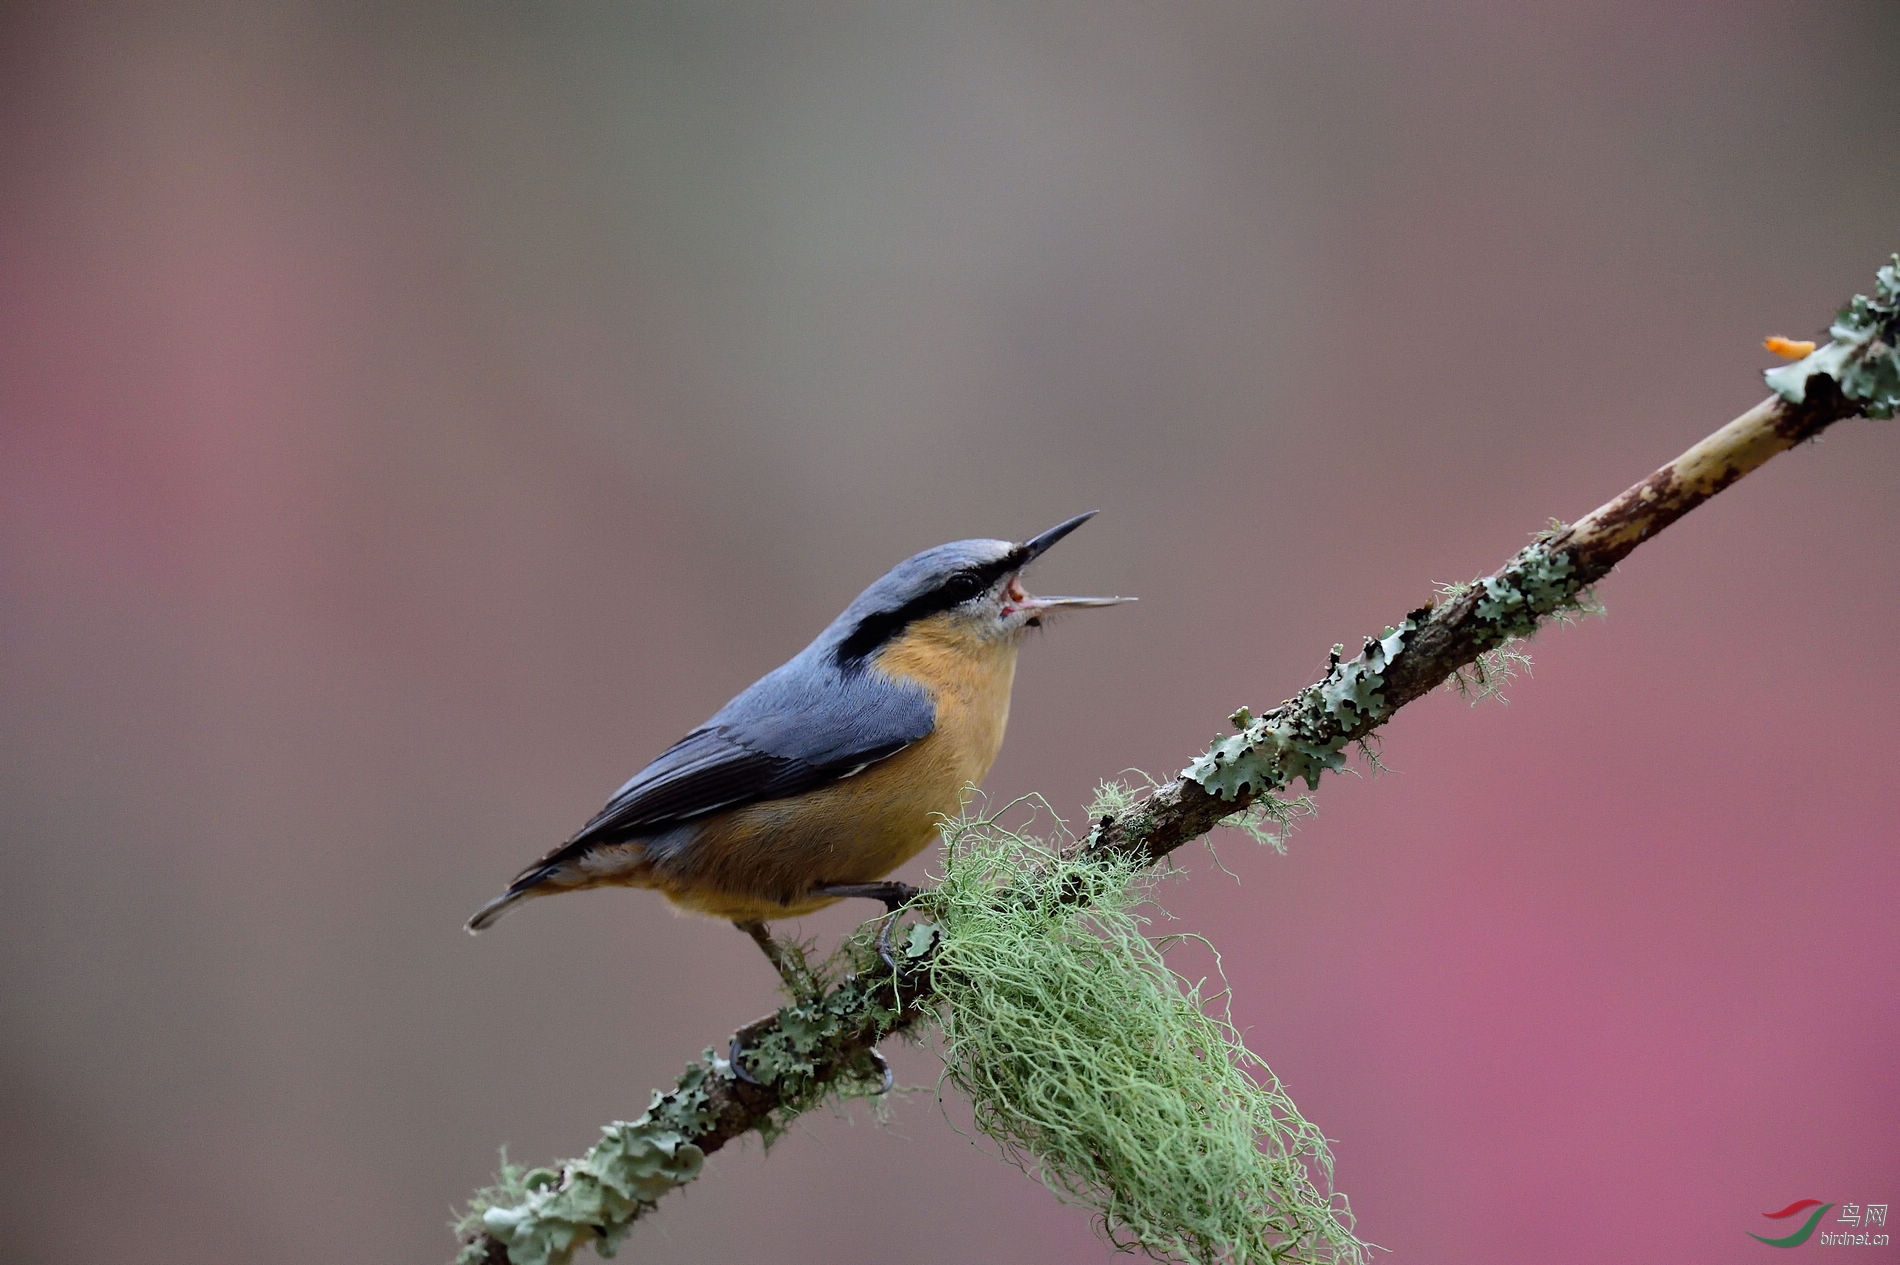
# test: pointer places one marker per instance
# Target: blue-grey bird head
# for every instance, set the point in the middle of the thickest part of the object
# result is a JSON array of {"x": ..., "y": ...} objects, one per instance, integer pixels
[{"x": 978, "y": 581}]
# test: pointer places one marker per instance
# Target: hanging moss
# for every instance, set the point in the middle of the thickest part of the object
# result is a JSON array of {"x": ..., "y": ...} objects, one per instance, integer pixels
[{"x": 1120, "y": 1084}]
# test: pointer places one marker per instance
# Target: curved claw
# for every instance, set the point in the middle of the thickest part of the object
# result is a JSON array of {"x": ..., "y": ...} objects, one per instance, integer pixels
[
  {"x": 883, "y": 1067},
  {"x": 883, "y": 941},
  {"x": 735, "y": 1060}
]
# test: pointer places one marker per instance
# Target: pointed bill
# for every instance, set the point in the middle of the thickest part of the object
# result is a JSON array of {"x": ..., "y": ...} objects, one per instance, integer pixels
[
  {"x": 1082, "y": 601},
  {"x": 1036, "y": 546}
]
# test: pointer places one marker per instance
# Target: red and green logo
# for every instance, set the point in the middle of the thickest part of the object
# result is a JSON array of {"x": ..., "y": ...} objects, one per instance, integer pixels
[{"x": 1805, "y": 1232}]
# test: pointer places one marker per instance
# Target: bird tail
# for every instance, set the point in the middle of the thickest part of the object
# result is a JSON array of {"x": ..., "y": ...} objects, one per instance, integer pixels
[
  {"x": 562, "y": 870},
  {"x": 528, "y": 884}
]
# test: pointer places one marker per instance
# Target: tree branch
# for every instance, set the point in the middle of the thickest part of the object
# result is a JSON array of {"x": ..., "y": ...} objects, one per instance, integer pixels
[
  {"x": 823, "y": 1044},
  {"x": 1439, "y": 640}
]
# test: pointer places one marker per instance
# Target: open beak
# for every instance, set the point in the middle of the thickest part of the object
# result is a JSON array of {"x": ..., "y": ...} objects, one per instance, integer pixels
[
  {"x": 1033, "y": 608},
  {"x": 1050, "y": 603},
  {"x": 1034, "y": 548}
]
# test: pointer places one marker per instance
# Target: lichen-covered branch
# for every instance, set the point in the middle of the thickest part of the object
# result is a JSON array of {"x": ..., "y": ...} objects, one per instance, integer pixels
[
  {"x": 1310, "y": 733},
  {"x": 821, "y": 1045},
  {"x": 812, "y": 1049}
]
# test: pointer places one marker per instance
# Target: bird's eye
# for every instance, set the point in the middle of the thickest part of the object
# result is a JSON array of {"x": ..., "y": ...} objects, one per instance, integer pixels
[{"x": 963, "y": 587}]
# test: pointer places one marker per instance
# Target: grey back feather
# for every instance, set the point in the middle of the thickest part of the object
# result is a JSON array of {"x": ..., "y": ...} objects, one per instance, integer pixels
[{"x": 822, "y": 715}]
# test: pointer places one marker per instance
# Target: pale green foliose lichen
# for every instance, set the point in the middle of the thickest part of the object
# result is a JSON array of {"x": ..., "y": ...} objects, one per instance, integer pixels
[
  {"x": 808, "y": 1036},
  {"x": 1532, "y": 585},
  {"x": 1862, "y": 359},
  {"x": 1307, "y": 736},
  {"x": 544, "y": 1214}
]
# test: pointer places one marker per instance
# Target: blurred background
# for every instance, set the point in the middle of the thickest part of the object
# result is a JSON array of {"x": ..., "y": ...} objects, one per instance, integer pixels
[{"x": 416, "y": 417}]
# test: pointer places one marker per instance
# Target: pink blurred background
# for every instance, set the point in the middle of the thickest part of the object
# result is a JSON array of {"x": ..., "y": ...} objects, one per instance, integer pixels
[{"x": 416, "y": 417}]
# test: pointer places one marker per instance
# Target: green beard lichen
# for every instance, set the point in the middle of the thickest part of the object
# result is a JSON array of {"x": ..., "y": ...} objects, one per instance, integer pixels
[{"x": 1101, "y": 1071}]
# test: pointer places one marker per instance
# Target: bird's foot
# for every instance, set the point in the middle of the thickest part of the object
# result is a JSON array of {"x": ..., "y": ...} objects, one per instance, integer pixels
[{"x": 895, "y": 896}]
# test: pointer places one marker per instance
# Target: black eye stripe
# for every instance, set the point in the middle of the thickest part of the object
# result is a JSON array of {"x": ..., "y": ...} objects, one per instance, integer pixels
[{"x": 874, "y": 630}]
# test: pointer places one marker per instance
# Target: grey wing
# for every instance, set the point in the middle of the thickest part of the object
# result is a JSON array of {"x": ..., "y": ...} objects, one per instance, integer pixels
[{"x": 796, "y": 729}]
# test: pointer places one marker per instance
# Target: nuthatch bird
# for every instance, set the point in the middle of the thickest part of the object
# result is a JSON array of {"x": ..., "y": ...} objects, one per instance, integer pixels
[{"x": 830, "y": 771}]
